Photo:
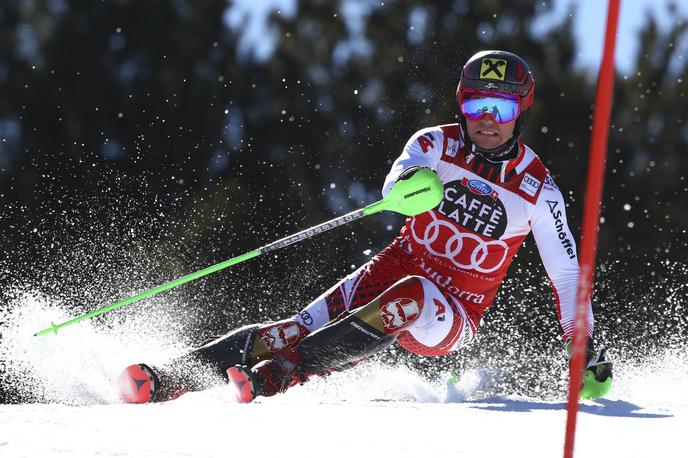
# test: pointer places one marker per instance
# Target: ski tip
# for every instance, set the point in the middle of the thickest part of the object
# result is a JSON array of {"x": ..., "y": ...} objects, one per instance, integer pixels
[
  {"x": 241, "y": 382},
  {"x": 136, "y": 384}
]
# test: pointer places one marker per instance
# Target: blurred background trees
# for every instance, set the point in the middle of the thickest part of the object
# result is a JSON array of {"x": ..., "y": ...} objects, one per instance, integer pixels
[{"x": 141, "y": 140}]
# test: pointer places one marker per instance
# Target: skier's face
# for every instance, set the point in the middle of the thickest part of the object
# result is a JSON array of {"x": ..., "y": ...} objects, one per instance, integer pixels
[{"x": 488, "y": 134}]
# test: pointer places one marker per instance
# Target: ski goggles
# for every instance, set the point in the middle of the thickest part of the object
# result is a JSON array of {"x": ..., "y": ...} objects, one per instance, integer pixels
[{"x": 502, "y": 108}]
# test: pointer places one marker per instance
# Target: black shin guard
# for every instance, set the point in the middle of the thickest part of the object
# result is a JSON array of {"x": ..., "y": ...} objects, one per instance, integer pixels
[
  {"x": 205, "y": 366},
  {"x": 340, "y": 343},
  {"x": 228, "y": 350}
]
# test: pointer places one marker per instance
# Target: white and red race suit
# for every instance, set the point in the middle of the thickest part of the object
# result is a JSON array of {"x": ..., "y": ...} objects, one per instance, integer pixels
[{"x": 464, "y": 246}]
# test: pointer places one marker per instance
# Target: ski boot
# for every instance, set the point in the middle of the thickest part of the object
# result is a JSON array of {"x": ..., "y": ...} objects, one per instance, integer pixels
[
  {"x": 137, "y": 384},
  {"x": 267, "y": 378}
]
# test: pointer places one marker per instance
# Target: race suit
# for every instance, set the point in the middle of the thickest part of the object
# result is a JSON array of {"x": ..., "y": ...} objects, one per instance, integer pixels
[{"x": 464, "y": 246}]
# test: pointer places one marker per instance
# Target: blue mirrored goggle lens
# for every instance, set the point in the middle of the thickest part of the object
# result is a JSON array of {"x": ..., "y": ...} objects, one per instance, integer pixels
[{"x": 500, "y": 109}]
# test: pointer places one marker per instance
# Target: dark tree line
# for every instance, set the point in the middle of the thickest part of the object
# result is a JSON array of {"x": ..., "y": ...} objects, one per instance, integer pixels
[{"x": 143, "y": 139}]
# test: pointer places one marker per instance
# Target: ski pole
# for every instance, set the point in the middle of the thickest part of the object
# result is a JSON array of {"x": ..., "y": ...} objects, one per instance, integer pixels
[{"x": 419, "y": 193}]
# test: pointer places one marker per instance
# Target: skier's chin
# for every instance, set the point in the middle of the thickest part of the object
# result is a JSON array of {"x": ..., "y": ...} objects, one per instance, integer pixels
[{"x": 487, "y": 142}]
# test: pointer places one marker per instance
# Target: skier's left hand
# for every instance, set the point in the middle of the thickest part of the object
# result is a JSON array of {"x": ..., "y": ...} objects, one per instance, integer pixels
[{"x": 597, "y": 376}]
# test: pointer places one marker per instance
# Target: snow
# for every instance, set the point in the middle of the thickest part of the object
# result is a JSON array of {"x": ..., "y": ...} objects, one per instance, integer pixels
[
  {"x": 302, "y": 424},
  {"x": 372, "y": 410}
]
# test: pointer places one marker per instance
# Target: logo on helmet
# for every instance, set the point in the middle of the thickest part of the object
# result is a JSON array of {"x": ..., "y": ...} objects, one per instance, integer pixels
[
  {"x": 494, "y": 69},
  {"x": 399, "y": 312}
]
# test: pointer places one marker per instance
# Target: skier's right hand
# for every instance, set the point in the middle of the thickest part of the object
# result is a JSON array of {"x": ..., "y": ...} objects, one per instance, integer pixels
[{"x": 597, "y": 376}]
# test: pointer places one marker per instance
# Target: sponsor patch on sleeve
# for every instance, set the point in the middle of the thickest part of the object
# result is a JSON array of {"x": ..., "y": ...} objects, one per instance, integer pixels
[
  {"x": 550, "y": 185},
  {"x": 529, "y": 185},
  {"x": 425, "y": 142}
]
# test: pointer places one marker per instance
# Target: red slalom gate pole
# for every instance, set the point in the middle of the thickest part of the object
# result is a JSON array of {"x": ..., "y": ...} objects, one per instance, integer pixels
[{"x": 591, "y": 219}]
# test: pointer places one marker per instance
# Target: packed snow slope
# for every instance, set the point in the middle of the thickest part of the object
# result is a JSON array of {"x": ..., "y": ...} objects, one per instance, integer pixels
[
  {"x": 372, "y": 410},
  {"x": 313, "y": 423}
]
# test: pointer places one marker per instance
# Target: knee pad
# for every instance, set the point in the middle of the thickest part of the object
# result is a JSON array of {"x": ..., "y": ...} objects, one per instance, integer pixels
[
  {"x": 275, "y": 338},
  {"x": 396, "y": 308},
  {"x": 250, "y": 344}
]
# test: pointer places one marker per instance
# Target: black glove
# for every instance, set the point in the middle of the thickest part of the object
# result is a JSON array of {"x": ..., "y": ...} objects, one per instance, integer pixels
[
  {"x": 408, "y": 173},
  {"x": 597, "y": 376}
]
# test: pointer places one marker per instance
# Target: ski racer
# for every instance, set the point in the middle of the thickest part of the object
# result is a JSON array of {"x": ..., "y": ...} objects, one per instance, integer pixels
[{"x": 428, "y": 289}]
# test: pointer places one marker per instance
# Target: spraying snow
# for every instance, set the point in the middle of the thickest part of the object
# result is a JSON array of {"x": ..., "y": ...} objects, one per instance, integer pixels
[{"x": 366, "y": 410}]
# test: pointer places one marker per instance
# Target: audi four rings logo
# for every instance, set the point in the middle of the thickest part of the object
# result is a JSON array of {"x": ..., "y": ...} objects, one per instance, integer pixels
[{"x": 464, "y": 249}]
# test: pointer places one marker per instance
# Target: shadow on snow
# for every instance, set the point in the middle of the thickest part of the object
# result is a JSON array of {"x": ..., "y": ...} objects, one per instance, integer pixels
[{"x": 603, "y": 407}]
